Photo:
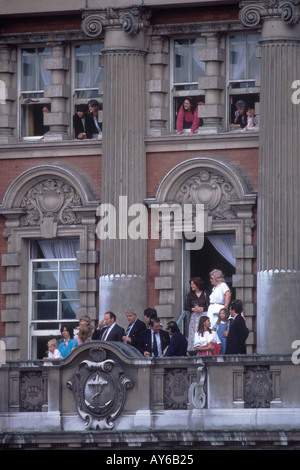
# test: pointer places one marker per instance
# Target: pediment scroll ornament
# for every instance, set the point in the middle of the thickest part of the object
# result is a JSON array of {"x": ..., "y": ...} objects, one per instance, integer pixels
[
  {"x": 212, "y": 190},
  {"x": 99, "y": 387},
  {"x": 50, "y": 199}
]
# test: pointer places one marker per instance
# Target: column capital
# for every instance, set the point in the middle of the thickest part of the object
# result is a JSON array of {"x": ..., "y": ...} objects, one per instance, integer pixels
[
  {"x": 130, "y": 20},
  {"x": 253, "y": 12}
]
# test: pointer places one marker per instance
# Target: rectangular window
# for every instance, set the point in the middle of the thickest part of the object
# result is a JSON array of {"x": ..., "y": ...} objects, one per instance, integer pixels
[
  {"x": 54, "y": 298},
  {"x": 244, "y": 72},
  {"x": 34, "y": 78},
  {"x": 187, "y": 68},
  {"x": 88, "y": 79}
]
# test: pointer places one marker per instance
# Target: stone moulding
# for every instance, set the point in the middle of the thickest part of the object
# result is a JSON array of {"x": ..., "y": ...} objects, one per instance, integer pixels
[{"x": 253, "y": 12}]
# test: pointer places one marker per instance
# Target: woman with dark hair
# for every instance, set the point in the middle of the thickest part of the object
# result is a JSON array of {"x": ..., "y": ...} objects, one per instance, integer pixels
[
  {"x": 206, "y": 341},
  {"x": 68, "y": 343},
  {"x": 197, "y": 303},
  {"x": 178, "y": 343},
  {"x": 187, "y": 117}
]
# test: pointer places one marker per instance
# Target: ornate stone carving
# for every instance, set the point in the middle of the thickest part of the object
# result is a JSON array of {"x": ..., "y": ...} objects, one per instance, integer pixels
[
  {"x": 258, "y": 387},
  {"x": 176, "y": 389},
  {"x": 209, "y": 189},
  {"x": 253, "y": 12},
  {"x": 99, "y": 387},
  {"x": 31, "y": 392},
  {"x": 51, "y": 198},
  {"x": 197, "y": 394},
  {"x": 131, "y": 21}
]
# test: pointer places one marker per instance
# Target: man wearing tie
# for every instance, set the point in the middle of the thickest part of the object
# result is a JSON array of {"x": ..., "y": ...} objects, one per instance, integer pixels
[
  {"x": 134, "y": 330},
  {"x": 108, "y": 330},
  {"x": 154, "y": 340}
]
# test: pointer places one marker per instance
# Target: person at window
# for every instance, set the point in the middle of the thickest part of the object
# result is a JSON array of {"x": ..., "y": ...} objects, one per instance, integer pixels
[
  {"x": 83, "y": 123},
  {"x": 197, "y": 302},
  {"x": 188, "y": 117},
  {"x": 53, "y": 352},
  {"x": 94, "y": 107},
  {"x": 252, "y": 119},
  {"x": 84, "y": 334},
  {"x": 220, "y": 295},
  {"x": 240, "y": 116},
  {"x": 68, "y": 343}
]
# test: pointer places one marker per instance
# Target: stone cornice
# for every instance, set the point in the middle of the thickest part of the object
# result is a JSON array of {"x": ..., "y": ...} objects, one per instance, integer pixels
[
  {"x": 131, "y": 21},
  {"x": 253, "y": 12}
]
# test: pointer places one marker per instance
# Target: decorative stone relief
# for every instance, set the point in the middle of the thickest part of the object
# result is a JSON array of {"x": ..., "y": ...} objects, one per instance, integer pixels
[
  {"x": 196, "y": 393},
  {"x": 253, "y": 12},
  {"x": 99, "y": 387},
  {"x": 176, "y": 389},
  {"x": 31, "y": 391},
  {"x": 209, "y": 189},
  {"x": 130, "y": 20},
  {"x": 258, "y": 387},
  {"x": 51, "y": 198}
]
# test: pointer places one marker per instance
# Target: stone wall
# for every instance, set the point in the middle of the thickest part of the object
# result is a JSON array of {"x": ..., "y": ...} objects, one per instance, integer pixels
[{"x": 108, "y": 395}]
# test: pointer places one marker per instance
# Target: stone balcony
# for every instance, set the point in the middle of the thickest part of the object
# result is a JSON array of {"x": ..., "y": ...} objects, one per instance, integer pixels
[{"x": 106, "y": 395}]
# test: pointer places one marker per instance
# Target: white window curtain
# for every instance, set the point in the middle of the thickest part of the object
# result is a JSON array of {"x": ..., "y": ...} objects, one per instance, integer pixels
[
  {"x": 63, "y": 249},
  {"x": 223, "y": 243}
]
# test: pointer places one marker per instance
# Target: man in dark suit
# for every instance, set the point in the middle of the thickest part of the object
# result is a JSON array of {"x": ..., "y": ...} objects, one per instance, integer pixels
[
  {"x": 238, "y": 331},
  {"x": 108, "y": 330},
  {"x": 154, "y": 340},
  {"x": 134, "y": 330},
  {"x": 178, "y": 344}
]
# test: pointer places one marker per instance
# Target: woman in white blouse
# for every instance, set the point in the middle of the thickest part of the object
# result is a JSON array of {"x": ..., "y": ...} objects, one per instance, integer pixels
[
  {"x": 206, "y": 342},
  {"x": 220, "y": 295}
]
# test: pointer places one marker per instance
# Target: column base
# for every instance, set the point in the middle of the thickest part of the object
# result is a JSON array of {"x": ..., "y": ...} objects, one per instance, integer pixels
[
  {"x": 278, "y": 302},
  {"x": 120, "y": 293}
]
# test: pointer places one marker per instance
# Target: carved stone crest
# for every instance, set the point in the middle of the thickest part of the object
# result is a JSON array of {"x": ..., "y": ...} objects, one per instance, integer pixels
[
  {"x": 99, "y": 387},
  {"x": 176, "y": 389},
  {"x": 51, "y": 198},
  {"x": 211, "y": 190},
  {"x": 32, "y": 392},
  {"x": 258, "y": 387}
]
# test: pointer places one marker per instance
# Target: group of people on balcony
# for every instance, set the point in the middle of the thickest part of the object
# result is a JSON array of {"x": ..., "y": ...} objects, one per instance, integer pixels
[
  {"x": 217, "y": 326},
  {"x": 188, "y": 119}
]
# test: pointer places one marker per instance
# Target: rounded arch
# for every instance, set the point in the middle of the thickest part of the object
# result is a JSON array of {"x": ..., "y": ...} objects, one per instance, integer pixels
[
  {"x": 26, "y": 180},
  {"x": 173, "y": 181}
]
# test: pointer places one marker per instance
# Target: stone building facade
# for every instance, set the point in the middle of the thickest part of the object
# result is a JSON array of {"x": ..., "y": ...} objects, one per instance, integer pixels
[{"x": 140, "y": 63}]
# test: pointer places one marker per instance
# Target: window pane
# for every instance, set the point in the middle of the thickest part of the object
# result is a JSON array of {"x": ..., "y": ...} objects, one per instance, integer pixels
[
  {"x": 187, "y": 66},
  {"x": 88, "y": 71},
  {"x": 28, "y": 69},
  {"x": 45, "y": 276},
  {"x": 34, "y": 75},
  {"x": 238, "y": 57},
  {"x": 253, "y": 62}
]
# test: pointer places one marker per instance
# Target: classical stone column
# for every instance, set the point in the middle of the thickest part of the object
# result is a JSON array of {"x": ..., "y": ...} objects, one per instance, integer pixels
[
  {"x": 278, "y": 260},
  {"x": 123, "y": 283}
]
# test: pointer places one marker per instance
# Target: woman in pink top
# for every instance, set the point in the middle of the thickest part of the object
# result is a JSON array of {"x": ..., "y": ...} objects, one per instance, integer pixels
[{"x": 187, "y": 117}]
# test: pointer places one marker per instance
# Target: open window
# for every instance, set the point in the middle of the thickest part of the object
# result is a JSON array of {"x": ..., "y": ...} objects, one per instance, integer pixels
[
  {"x": 244, "y": 74},
  {"x": 187, "y": 68},
  {"x": 33, "y": 105},
  {"x": 54, "y": 299}
]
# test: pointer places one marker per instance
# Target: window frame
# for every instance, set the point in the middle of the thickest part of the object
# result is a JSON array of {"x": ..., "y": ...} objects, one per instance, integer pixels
[
  {"x": 33, "y": 332},
  {"x": 243, "y": 92},
  {"x": 180, "y": 95},
  {"x": 37, "y": 101}
]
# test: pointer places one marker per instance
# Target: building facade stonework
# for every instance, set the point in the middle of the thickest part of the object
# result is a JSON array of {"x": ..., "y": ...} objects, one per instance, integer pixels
[{"x": 141, "y": 64}]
